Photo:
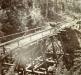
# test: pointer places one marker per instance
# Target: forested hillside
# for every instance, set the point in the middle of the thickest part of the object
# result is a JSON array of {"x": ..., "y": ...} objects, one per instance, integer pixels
[{"x": 16, "y": 15}]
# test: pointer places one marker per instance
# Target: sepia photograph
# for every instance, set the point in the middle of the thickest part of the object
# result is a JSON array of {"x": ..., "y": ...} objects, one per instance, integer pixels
[{"x": 40, "y": 37}]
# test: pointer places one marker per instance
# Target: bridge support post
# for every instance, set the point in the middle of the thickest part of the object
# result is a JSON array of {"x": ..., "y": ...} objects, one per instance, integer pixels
[
  {"x": 54, "y": 53},
  {"x": 30, "y": 37},
  {"x": 50, "y": 31},
  {"x": 18, "y": 43},
  {"x": 42, "y": 34},
  {"x": 4, "y": 50}
]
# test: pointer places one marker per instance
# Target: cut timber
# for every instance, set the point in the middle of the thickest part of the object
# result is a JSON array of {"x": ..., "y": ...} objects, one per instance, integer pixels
[
  {"x": 37, "y": 72},
  {"x": 8, "y": 64}
]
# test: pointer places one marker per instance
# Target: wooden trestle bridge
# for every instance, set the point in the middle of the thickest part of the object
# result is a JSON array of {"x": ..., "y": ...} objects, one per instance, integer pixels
[
  {"x": 34, "y": 37},
  {"x": 28, "y": 39}
]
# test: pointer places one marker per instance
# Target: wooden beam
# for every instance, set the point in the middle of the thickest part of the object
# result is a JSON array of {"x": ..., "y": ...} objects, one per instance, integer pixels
[{"x": 9, "y": 64}]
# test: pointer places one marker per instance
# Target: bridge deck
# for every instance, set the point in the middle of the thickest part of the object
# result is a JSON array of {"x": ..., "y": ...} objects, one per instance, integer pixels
[{"x": 24, "y": 40}]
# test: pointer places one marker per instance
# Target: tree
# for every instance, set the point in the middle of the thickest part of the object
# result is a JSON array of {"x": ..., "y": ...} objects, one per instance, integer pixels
[{"x": 12, "y": 23}]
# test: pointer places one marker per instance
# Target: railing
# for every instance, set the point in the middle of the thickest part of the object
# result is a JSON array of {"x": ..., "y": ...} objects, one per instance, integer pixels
[
  {"x": 26, "y": 32},
  {"x": 50, "y": 31},
  {"x": 16, "y": 35},
  {"x": 43, "y": 33},
  {"x": 23, "y": 37}
]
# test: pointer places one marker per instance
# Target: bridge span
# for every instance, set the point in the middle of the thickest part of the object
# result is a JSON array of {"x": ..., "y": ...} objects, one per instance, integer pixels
[{"x": 34, "y": 37}]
